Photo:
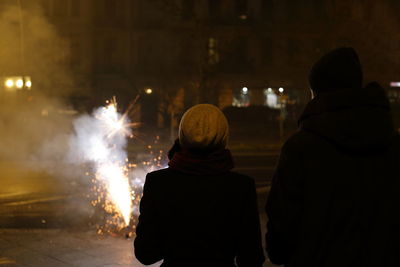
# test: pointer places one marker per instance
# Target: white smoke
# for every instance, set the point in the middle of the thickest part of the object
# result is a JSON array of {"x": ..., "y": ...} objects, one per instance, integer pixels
[{"x": 97, "y": 138}]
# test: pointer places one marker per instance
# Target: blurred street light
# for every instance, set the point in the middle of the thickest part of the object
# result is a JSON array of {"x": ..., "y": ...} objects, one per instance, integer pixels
[
  {"x": 281, "y": 90},
  {"x": 9, "y": 83},
  {"x": 17, "y": 83},
  {"x": 245, "y": 90},
  {"x": 28, "y": 84},
  {"x": 395, "y": 84},
  {"x": 148, "y": 91}
]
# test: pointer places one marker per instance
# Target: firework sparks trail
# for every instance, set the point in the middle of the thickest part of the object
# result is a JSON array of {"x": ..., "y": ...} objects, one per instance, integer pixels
[{"x": 101, "y": 140}]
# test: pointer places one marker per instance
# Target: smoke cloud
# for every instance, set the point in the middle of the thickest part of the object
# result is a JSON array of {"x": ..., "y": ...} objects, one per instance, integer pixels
[
  {"x": 30, "y": 119},
  {"x": 36, "y": 125},
  {"x": 40, "y": 130}
]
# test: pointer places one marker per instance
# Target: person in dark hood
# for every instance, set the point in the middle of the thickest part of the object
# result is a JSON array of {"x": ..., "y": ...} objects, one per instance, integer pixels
[
  {"x": 197, "y": 212},
  {"x": 335, "y": 194}
]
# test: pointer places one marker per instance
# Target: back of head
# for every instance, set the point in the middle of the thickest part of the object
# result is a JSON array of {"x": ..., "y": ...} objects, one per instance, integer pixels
[
  {"x": 203, "y": 127},
  {"x": 338, "y": 69}
]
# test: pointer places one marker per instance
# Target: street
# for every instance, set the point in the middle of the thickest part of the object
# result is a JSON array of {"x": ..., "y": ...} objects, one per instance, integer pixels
[
  {"x": 94, "y": 94},
  {"x": 32, "y": 198},
  {"x": 47, "y": 220},
  {"x": 259, "y": 166}
]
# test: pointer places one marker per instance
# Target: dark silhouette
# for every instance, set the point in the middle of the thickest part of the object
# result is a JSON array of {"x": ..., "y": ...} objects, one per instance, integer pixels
[
  {"x": 335, "y": 195},
  {"x": 198, "y": 212},
  {"x": 176, "y": 147}
]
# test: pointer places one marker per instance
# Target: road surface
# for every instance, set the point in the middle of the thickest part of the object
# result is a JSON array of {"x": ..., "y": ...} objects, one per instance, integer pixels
[
  {"x": 33, "y": 198},
  {"x": 50, "y": 216}
]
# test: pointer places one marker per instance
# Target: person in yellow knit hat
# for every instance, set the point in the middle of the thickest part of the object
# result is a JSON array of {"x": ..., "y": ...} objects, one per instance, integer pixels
[{"x": 198, "y": 212}]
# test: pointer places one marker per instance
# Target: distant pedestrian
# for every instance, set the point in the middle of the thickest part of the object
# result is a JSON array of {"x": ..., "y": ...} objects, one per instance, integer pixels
[
  {"x": 335, "y": 195},
  {"x": 197, "y": 212}
]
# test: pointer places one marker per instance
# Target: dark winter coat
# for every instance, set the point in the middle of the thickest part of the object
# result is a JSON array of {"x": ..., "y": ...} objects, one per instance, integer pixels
[
  {"x": 335, "y": 197},
  {"x": 199, "y": 220}
]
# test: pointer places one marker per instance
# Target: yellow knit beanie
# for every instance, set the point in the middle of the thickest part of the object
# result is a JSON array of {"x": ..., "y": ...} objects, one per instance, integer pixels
[{"x": 203, "y": 126}]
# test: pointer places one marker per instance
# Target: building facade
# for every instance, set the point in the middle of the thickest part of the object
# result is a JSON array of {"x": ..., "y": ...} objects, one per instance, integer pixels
[{"x": 225, "y": 52}]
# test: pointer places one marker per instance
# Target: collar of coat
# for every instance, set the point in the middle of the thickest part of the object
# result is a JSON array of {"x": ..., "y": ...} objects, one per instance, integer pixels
[{"x": 200, "y": 163}]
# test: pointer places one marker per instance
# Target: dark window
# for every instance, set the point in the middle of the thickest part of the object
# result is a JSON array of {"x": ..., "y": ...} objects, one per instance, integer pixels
[
  {"x": 319, "y": 8},
  {"x": 241, "y": 47},
  {"x": 106, "y": 57},
  {"x": 149, "y": 54},
  {"x": 111, "y": 8},
  {"x": 60, "y": 8},
  {"x": 109, "y": 53},
  {"x": 267, "y": 9},
  {"x": 46, "y": 7},
  {"x": 235, "y": 58},
  {"x": 213, "y": 55},
  {"x": 343, "y": 9},
  {"x": 187, "y": 9},
  {"x": 295, "y": 11},
  {"x": 214, "y": 8},
  {"x": 186, "y": 51},
  {"x": 295, "y": 50},
  {"x": 241, "y": 8},
  {"x": 98, "y": 10},
  {"x": 267, "y": 52},
  {"x": 75, "y": 8},
  {"x": 75, "y": 54}
]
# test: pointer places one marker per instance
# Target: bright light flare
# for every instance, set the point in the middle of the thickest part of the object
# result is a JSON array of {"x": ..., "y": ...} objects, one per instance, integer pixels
[
  {"x": 114, "y": 123},
  {"x": 19, "y": 83},
  {"x": 9, "y": 83}
]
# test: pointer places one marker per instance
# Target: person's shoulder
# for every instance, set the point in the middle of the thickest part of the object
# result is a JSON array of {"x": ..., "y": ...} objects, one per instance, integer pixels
[
  {"x": 395, "y": 144},
  {"x": 157, "y": 175},
  {"x": 154, "y": 175},
  {"x": 299, "y": 141},
  {"x": 396, "y": 139},
  {"x": 240, "y": 178}
]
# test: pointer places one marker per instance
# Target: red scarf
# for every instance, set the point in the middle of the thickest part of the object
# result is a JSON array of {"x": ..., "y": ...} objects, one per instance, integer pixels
[{"x": 189, "y": 162}]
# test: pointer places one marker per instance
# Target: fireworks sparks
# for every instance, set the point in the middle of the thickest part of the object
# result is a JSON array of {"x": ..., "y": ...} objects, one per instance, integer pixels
[
  {"x": 101, "y": 140},
  {"x": 107, "y": 149}
]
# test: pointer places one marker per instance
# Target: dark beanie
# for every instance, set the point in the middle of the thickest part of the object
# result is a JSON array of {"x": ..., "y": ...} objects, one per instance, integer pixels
[{"x": 338, "y": 69}]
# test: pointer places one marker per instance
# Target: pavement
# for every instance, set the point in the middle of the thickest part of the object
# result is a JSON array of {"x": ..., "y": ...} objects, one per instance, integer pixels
[
  {"x": 40, "y": 225},
  {"x": 60, "y": 247},
  {"x": 63, "y": 247}
]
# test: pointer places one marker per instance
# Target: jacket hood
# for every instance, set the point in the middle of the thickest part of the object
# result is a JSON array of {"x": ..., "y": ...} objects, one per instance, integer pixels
[
  {"x": 338, "y": 69},
  {"x": 357, "y": 121}
]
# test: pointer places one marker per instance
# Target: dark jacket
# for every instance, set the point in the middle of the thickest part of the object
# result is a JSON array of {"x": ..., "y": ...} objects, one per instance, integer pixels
[
  {"x": 335, "y": 196},
  {"x": 199, "y": 220}
]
